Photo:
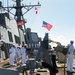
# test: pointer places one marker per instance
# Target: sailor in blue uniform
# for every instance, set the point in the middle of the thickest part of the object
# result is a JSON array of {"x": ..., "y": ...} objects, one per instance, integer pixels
[{"x": 70, "y": 57}]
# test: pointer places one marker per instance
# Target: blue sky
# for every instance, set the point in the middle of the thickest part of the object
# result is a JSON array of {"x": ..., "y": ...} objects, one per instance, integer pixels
[{"x": 59, "y": 13}]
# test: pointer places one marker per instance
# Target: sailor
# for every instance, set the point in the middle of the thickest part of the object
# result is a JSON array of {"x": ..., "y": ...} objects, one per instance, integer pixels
[
  {"x": 3, "y": 51},
  {"x": 70, "y": 57},
  {"x": 18, "y": 54},
  {"x": 23, "y": 53},
  {"x": 53, "y": 58},
  {"x": 12, "y": 52}
]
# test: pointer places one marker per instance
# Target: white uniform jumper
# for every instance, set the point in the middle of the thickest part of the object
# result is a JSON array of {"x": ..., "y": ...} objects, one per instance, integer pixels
[
  {"x": 18, "y": 54},
  {"x": 12, "y": 55},
  {"x": 70, "y": 58},
  {"x": 23, "y": 52}
]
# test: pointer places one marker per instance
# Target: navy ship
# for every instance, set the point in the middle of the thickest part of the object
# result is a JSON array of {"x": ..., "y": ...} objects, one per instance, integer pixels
[{"x": 14, "y": 32}]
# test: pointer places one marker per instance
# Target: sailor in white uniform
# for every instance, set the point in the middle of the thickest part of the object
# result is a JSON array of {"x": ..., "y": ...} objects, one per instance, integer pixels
[
  {"x": 12, "y": 52},
  {"x": 23, "y": 53},
  {"x": 18, "y": 54},
  {"x": 70, "y": 57}
]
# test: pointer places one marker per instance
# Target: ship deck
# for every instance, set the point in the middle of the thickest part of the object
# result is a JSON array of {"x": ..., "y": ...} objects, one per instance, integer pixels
[{"x": 61, "y": 69}]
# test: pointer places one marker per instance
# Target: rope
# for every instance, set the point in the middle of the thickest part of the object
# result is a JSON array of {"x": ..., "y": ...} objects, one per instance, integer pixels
[{"x": 31, "y": 19}]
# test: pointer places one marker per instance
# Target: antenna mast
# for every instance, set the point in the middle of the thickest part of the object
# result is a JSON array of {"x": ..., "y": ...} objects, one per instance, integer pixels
[{"x": 18, "y": 15}]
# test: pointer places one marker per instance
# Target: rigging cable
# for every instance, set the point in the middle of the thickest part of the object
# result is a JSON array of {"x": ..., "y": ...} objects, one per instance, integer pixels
[{"x": 31, "y": 19}]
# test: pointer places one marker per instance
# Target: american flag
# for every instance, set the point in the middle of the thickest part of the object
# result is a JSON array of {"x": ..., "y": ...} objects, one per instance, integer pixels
[{"x": 47, "y": 25}]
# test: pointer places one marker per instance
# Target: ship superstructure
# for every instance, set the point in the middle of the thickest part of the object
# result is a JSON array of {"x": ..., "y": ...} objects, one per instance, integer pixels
[
  {"x": 9, "y": 32},
  {"x": 13, "y": 30}
]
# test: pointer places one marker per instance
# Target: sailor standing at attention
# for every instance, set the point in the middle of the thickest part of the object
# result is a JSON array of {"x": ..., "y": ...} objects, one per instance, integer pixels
[
  {"x": 70, "y": 57},
  {"x": 12, "y": 52},
  {"x": 23, "y": 53},
  {"x": 18, "y": 54}
]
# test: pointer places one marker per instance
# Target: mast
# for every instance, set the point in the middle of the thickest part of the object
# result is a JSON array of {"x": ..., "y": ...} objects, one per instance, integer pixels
[
  {"x": 19, "y": 15},
  {"x": 18, "y": 7}
]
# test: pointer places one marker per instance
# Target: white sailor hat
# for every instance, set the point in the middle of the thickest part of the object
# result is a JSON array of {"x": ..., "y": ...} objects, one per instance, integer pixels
[{"x": 25, "y": 45}]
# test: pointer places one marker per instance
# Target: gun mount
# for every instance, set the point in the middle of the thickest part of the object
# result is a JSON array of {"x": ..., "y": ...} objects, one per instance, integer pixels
[{"x": 60, "y": 47}]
